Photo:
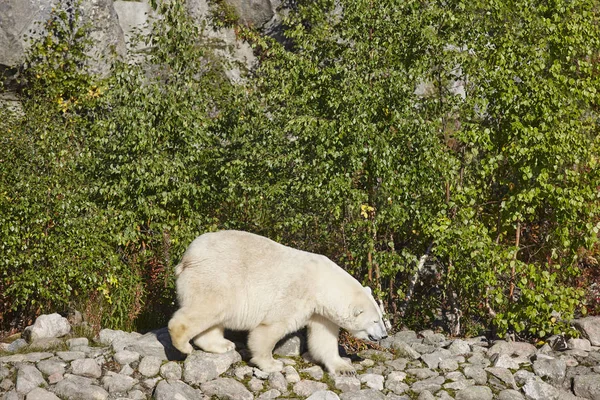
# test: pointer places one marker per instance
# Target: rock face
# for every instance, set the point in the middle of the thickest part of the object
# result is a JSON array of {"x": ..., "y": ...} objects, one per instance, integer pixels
[
  {"x": 129, "y": 365},
  {"x": 22, "y": 18}
]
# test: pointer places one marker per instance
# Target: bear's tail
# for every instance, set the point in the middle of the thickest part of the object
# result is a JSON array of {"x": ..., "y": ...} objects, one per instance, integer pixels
[{"x": 178, "y": 269}]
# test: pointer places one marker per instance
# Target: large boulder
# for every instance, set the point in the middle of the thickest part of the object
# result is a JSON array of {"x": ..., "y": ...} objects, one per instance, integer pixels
[
  {"x": 22, "y": 19},
  {"x": 589, "y": 328},
  {"x": 47, "y": 326}
]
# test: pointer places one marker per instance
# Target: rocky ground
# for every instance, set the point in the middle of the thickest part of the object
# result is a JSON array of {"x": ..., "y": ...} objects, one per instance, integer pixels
[{"x": 49, "y": 362}]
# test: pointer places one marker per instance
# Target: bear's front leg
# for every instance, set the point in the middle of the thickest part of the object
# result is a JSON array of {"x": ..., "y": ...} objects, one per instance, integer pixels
[
  {"x": 323, "y": 345},
  {"x": 261, "y": 342}
]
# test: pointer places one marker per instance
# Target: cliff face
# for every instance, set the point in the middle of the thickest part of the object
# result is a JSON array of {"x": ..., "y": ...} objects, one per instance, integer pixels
[{"x": 112, "y": 23}]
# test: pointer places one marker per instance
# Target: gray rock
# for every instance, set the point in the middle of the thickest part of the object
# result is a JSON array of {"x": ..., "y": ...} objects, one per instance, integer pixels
[
  {"x": 459, "y": 346},
  {"x": 314, "y": 372},
  {"x": 49, "y": 367},
  {"x": 398, "y": 364},
  {"x": 475, "y": 393},
  {"x": 346, "y": 383},
  {"x": 86, "y": 367},
  {"x": 126, "y": 357},
  {"x": 432, "y": 338},
  {"x": 395, "y": 382},
  {"x": 242, "y": 372},
  {"x": 426, "y": 395},
  {"x": 589, "y": 328},
  {"x": 76, "y": 342},
  {"x": 291, "y": 346},
  {"x": 291, "y": 375},
  {"x": 365, "y": 394},
  {"x": 156, "y": 343},
  {"x": 323, "y": 395},
  {"x": 270, "y": 394},
  {"x": 171, "y": 371},
  {"x": 506, "y": 361},
  {"x": 372, "y": 381},
  {"x": 448, "y": 365},
  {"x": 255, "y": 384},
  {"x": 47, "y": 326},
  {"x": 117, "y": 383},
  {"x": 510, "y": 394},
  {"x": 459, "y": 384},
  {"x": 200, "y": 367},
  {"x": 79, "y": 388},
  {"x": 305, "y": 388},
  {"x": 432, "y": 384},
  {"x": 407, "y": 336},
  {"x": 579, "y": 344},
  {"x": 479, "y": 359},
  {"x": 46, "y": 344},
  {"x": 476, "y": 373},
  {"x": 136, "y": 395},
  {"x": 41, "y": 394},
  {"x": 422, "y": 373},
  {"x": 149, "y": 366},
  {"x": 536, "y": 389},
  {"x": 553, "y": 369},
  {"x": 172, "y": 389},
  {"x": 403, "y": 349},
  {"x": 587, "y": 386},
  {"x": 518, "y": 349},
  {"x": 28, "y": 378},
  {"x": 255, "y": 13},
  {"x": 433, "y": 359},
  {"x": 16, "y": 345},
  {"x": 55, "y": 378},
  {"x": 522, "y": 376},
  {"x": 504, "y": 375},
  {"x": 226, "y": 388},
  {"x": 277, "y": 381},
  {"x": 70, "y": 355}
]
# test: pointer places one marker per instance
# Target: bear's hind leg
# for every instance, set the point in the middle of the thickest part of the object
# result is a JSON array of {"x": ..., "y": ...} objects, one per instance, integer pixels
[
  {"x": 323, "y": 345},
  {"x": 187, "y": 323},
  {"x": 261, "y": 342},
  {"x": 212, "y": 340}
]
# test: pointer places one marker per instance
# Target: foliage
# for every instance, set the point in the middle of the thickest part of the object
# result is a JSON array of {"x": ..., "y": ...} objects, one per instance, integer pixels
[{"x": 377, "y": 130}]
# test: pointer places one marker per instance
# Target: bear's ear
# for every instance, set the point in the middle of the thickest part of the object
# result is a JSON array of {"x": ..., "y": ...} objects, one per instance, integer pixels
[
  {"x": 358, "y": 311},
  {"x": 367, "y": 289}
]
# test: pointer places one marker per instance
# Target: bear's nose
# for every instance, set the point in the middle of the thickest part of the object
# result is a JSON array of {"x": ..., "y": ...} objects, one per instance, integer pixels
[{"x": 384, "y": 336}]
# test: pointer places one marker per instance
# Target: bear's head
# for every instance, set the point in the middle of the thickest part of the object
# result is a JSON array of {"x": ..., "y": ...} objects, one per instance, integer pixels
[{"x": 367, "y": 322}]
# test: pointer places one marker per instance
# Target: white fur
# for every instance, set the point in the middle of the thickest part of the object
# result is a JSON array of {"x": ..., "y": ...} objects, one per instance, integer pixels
[{"x": 241, "y": 281}]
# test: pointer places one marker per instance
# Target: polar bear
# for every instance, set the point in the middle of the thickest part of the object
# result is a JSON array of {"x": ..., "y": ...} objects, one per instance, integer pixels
[{"x": 241, "y": 281}]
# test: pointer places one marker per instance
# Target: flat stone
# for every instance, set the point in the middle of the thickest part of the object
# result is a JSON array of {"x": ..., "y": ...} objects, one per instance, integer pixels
[
  {"x": 77, "y": 388},
  {"x": 46, "y": 344},
  {"x": 448, "y": 365},
  {"x": 277, "y": 381},
  {"x": 126, "y": 357},
  {"x": 518, "y": 349},
  {"x": 403, "y": 349},
  {"x": 314, "y": 372},
  {"x": 587, "y": 386},
  {"x": 305, "y": 387},
  {"x": 270, "y": 394},
  {"x": 49, "y": 367},
  {"x": 365, "y": 394},
  {"x": 477, "y": 373},
  {"x": 426, "y": 395},
  {"x": 291, "y": 375},
  {"x": 432, "y": 384},
  {"x": 226, "y": 388},
  {"x": 156, "y": 343},
  {"x": 475, "y": 393},
  {"x": 551, "y": 368},
  {"x": 536, "y": 389},
  {"x": 70, "y": 355},
  {"x": 55, "y": 378},
  {"x": 173, "y": 389},
  {"x": 16, "y": 345},
  {"x": 346, "y": 383},
  {"x": 589, "y": 328},
  {"x": 579, "y": 344},
  {"x": 459, "y": 347},
  {"x": 28, "y": 378},
  {"x": 460, "y": 384},
  {"x": 372, "y": 381},
  {"x": 171, "y": 370},
  {"x": 323, "y": 395},
  {"x": 398, "y": 364},
  {"x": 118, "y": 383},
  {"x": 255, "y": 384},
  {"x": 200, "y": 367},
  {"x": 76, "y": 342},
  {"x": 395, "y": 382},
  {"x": 41, "y": 394},
  {"x": 504, "y": 375},
  {"x": 422, "y": 373},
  {"x": 506, "y": 361},
  {"x": 510, "y": 394},
  {"x": 433, "y": 359},
  {"x": 149, "y": 366},
  {"x": 86, "y": 367}
]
